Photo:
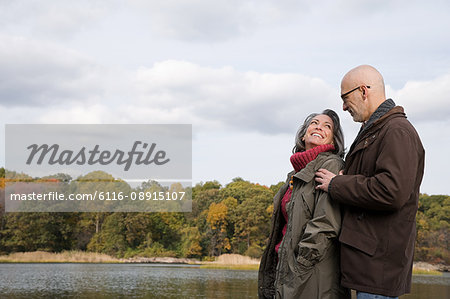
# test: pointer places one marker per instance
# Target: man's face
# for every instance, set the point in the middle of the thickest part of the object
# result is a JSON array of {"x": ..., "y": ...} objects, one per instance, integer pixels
[{"x": 353, "y": 102}]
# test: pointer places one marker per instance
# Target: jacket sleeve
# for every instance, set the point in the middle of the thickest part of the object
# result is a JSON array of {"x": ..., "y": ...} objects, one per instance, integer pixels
[
  {"x": 396, "y": 169},
  {"x": 324, "y": 225}
]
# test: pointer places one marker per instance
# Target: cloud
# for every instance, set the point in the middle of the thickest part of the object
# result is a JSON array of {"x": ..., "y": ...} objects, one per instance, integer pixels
[
  {"x": 425, "y": 101},
  {"x": 65, "y": 86},
  {"x": 61, "y": 85},
  {"x": 73, "y": 88},
  {"x": 60, "y": 19},
  {"x": 203, "y": 20},
  {"x": 224, "y": 97},
  {"x": 196, "y": 20},
  {"x": 38, "y": 73}
]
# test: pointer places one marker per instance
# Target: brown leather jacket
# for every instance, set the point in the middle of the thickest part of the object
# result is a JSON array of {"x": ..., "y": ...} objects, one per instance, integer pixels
[
  {"x": 380, "y": 191},
  {"x": 307, "y": 264}
]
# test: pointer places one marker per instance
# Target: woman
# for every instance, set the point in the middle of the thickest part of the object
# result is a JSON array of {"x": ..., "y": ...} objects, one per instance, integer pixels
[{"x": 301, "y": 259}]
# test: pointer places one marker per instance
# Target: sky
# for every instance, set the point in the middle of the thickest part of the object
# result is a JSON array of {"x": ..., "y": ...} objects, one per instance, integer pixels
[{"x": 244, "y": 73}]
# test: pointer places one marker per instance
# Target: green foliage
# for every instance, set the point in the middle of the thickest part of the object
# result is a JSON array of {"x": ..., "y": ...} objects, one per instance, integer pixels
[
  {"x": 190, "y": 246},
  {"x": 37, "y": 231},
  {"x": 254, "y": 251},
  {"x": 276, "y": 188},
  {"x": 433, "y": 223},
  {"x": 202, "y": 198},
  {"x": 111, "y": 239},
  {"x": 157, "y": 250}
]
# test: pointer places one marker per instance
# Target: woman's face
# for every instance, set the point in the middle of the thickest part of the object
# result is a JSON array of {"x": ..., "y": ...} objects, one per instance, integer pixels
[{"x": 320, "y": 131}]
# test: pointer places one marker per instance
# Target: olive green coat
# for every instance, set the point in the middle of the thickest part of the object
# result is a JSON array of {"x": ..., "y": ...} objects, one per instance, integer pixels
[{"x": 308, "y": 257}]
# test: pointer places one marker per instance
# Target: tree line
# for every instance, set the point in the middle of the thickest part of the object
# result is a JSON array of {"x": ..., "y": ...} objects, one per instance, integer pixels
[{"x": 234, "y": 218}]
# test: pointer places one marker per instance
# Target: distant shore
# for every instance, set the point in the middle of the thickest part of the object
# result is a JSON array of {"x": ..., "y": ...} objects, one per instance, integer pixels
[{"x": 225, "y": 261}]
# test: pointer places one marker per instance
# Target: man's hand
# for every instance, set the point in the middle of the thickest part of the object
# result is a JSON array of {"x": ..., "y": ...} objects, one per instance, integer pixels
[{"x": 324, "y": 177}]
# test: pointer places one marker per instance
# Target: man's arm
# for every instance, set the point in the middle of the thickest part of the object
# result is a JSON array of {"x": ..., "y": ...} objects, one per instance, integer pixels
[
  {"x": 391, "y": 185},
  {"x": 324, "y": 177}
]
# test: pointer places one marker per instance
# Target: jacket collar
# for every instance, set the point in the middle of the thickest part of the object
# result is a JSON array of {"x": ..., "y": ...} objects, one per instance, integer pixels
[
  {"x": 308, "y": 173},
  {"x": 397, "y": 111},
  {"x": 379, "y": 113},
  {"x": 358, "y": 144},
  {"x": 382, "y": 110}
]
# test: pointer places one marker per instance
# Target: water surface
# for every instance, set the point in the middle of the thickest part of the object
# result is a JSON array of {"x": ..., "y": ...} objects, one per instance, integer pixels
[{"x": 152, "y": 281}]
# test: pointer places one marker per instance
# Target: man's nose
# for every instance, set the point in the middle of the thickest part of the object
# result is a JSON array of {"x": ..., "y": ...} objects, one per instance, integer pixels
[{"x": 344, "y": 107}]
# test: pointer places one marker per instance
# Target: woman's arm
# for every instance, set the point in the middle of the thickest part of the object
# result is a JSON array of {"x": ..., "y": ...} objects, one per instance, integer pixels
[{"x": 324, "y": 225}]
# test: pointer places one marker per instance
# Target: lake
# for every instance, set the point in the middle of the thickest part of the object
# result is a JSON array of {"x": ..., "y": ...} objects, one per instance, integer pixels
[{"x": 153, "y": 281}]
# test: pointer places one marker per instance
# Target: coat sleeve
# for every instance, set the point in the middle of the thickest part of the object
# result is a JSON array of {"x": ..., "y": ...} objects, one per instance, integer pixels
[
  {"x": 324, "y": 225},
  {"x": 393, "y": 181}
]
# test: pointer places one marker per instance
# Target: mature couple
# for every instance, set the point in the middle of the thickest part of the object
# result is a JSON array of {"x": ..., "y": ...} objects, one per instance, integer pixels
[{"x": 335, "y": 230}]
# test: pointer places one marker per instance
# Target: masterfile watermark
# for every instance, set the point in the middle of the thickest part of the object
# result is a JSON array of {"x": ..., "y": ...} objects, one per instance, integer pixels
[
  {"x": 94, "y": 156},
  {"x": 104, "y": 168}
]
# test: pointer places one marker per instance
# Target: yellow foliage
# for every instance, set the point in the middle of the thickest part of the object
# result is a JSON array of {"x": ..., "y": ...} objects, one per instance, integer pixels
[
  {"x": 226, "y": 244},
  {"x": 269, "y": 209},
  {"x": 230, "y": 202},
  {"x": 217, "y": 216}
]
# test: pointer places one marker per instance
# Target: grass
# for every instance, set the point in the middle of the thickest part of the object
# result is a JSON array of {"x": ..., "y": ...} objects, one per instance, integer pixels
[
  {"x": 236, "y": 259},
  {"x": 426, "y": 272},
  {"x": 232, "y": 262},
  {"x": 230, "y": 267},
  {"x": 225, "y": 261},
  {"x": 63, "y": 257}
]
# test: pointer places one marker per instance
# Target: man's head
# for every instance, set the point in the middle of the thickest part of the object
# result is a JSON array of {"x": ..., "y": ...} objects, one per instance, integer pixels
[{"x": 362, "y": 91}]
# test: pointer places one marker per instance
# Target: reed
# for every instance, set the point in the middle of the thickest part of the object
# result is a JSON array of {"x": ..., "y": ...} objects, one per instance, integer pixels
[
  {"x": 425, "y": 272},
  {"x": 62, "y": 257},
  {"x": 230, "y": 267},
  {"x": 235, "y": 259}
]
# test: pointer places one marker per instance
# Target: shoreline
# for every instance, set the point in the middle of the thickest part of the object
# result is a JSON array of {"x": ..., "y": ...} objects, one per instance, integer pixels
[
  {"x": 225, "y": 261},
  {"x": 428, "y": 268}
]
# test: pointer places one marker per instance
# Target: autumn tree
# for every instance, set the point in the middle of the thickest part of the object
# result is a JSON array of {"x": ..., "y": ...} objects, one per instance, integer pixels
[
  {"x": 218, "y": 219},
  {"x": 433, "y": 226},
  {"x": 190, "y": 242}
]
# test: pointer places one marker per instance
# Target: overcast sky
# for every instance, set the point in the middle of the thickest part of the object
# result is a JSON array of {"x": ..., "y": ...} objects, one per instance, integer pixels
[{"x": 244, "y": 73}]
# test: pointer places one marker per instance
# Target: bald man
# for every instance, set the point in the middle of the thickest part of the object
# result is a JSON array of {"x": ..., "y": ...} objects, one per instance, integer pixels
[{"x": 379, "y": 190}]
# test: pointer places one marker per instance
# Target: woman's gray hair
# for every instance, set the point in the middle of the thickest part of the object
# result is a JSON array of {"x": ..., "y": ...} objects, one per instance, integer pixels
[{"x": 338, "y": 135}]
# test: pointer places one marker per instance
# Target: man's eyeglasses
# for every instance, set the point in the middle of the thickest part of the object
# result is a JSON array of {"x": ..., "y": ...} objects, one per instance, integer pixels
[{"x": 349, "y": 92}]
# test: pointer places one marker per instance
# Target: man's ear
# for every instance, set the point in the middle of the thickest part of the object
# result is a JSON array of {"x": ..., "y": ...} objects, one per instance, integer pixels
[{"x": 364, "y": 92}]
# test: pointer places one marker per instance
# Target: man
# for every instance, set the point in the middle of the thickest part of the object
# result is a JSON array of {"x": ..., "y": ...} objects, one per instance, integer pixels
[{"x": 379, "y": 190}]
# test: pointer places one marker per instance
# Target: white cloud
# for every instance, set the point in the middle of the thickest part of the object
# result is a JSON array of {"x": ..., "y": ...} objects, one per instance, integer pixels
[
  {"x": 76, "y": 114},
  {"x": 39, "y": 73},
  {"x": 203, "y": 20},
  {"x": 264, "y": 102},
  {"x": 44, "y": 74},
  {"x": 55, "y": 19},
  {"x": 66, "y": 86},
  {"x": 425, "y": 101}
]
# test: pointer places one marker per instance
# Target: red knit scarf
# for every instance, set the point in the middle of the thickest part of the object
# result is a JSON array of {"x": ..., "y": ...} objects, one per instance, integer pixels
[{"x": 299, "y": 161}]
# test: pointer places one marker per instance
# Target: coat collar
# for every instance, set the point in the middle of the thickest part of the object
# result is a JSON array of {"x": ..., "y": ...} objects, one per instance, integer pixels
[
  {"x": 307, "y": 174},
  {"x": 397, "y": 111},
  {"x": 361, "y": 140}
]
